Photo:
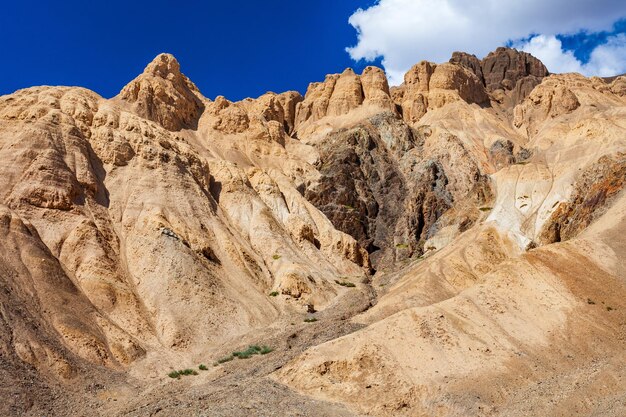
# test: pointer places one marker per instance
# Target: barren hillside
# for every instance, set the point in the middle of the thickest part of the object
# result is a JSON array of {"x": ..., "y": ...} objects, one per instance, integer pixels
[{"x": 452, "y": 246}]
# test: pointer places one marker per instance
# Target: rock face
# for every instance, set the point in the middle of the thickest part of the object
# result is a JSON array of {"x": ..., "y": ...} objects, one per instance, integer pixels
[
  {"x": 550, "y": 99},
  {"x": 372, "y": 188},
  {"x": 463, "y": 228},
  {"x": 592, "y": 194}
]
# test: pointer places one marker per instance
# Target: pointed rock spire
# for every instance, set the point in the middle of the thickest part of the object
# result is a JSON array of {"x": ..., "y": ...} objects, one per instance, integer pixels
[{"x": 164, "y": 95}]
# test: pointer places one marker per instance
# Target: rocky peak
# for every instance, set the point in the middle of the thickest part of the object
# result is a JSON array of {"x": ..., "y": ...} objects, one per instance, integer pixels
[
  {"x": 468, "y": 61},
  {"x": 429, "y": 86},
  {"x": 504, "y": 67},
  {"x": 347, "y": 94},
  {"x": 338, "y": 94},
  {"x": 508, "y": 75},
  {"x": 164, "y": 66},
  {"x": 376, "y": 88},
  {"x": 164, "y": 95}
]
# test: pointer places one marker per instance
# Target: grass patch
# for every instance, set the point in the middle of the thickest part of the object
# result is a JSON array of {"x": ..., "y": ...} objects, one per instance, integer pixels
[
  {"x": 203, "y": 367},
  {"x": 184, "y": 372},
  {"x": 273, "y": 293},
  {"x": 188, "y": 372},
  {"x": 485, "y": 208},
  {"x": 310, "y": 320},
  {"x": 224, "y": 360},
  {"x": 246, "y": 354},
  {"x": 275, "y": 256},
  {"x": 345, "y": 284},
  {"x": 265, "y": 350},
  {"x": 252, "y": 350}
]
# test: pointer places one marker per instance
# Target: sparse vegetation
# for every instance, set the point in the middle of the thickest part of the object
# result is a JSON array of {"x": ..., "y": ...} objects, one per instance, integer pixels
[
  {"x": 345, "y": 283},
  {"x": 203, "y": 367},
  {"x": 265, "y": 350},
  {"x": 188, "y": 372},
  {"x": 184, "y": 372},
  {"x": 246, "y": 354},
  {"x": 273, "y": 293},
  {"x": 310, "y": 320},
  {"x": 224, "y": 360}
]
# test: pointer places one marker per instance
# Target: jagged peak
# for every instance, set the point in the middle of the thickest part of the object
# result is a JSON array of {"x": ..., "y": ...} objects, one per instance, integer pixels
[
  {"x": 163, "y": 65},
  {"x": 162, "y": 93}
]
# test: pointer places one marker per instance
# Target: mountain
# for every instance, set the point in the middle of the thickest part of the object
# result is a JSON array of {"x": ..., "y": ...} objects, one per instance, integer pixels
[{"x": 450, "y": 246}]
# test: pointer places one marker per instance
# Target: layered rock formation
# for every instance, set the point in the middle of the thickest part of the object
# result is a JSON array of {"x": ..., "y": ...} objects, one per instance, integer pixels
[{"x": 400, "y": 249}]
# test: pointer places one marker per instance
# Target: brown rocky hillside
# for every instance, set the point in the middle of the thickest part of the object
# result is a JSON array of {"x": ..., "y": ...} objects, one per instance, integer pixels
[{"x": 452, "y": 246}]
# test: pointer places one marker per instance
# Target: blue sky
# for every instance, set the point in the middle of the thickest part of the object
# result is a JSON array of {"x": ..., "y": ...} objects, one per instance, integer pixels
[
  {"x": 233, "y": 48},
  {"x": 245, "y": 48}
]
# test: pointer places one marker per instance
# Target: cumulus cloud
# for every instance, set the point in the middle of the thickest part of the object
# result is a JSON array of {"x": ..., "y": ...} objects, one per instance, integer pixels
[
  {"x": 404, "y": 32},
  {"x": 605, "y": 60}
]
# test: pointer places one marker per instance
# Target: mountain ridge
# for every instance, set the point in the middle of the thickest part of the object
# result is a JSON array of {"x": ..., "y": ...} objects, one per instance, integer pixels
[{"x": 476, "y": 207}]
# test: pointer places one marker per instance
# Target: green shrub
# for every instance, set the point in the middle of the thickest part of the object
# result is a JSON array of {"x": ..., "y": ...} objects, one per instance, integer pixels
[
  {"x": 273, "y": 293},
  {"x": 276, "y": 256},
  {"x": 224, "y": 360},
  {"x": 485, "y": 209},
  {"x": 188, "y": 372},
  {"x": 203, "y": 367},
  {"x": 184, "y": 372},
  {"x": 345, "y": 283},
  {"x": 246, "y": 354},
  {"x": 402, "y": 246},
  {"x": 310, "y": 320}
]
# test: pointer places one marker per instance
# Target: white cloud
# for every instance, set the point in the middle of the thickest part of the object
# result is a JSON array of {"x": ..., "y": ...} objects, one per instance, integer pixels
[
  {"x": 404, "y": 32},
  {"x": 605, "y": 60}
]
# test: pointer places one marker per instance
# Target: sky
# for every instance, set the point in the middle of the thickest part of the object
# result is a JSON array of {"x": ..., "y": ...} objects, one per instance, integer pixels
[{"x": 244, "y": 48}]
